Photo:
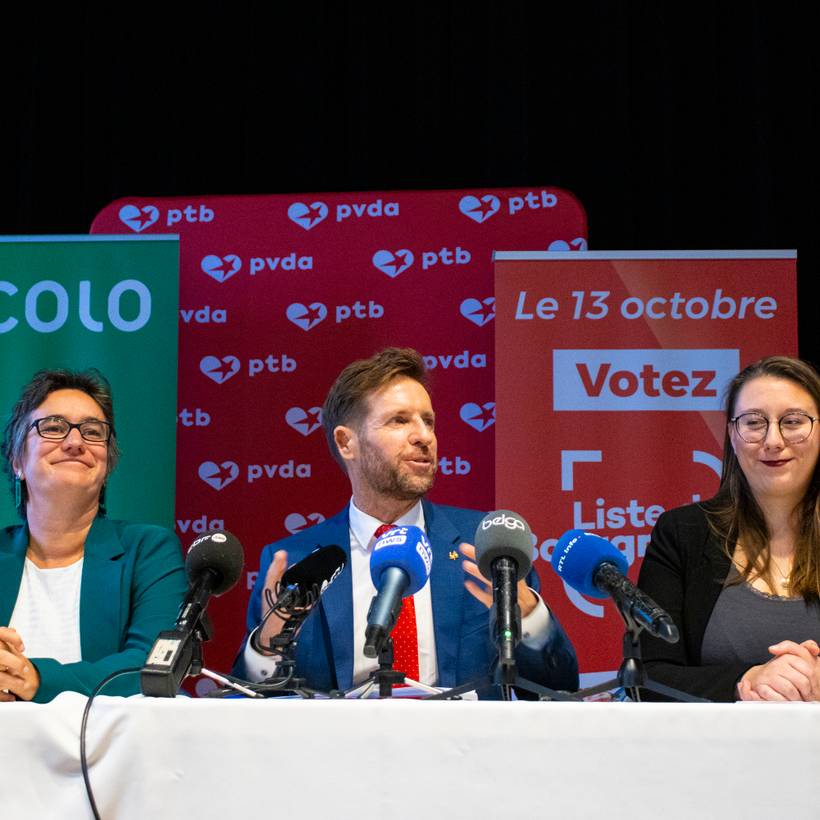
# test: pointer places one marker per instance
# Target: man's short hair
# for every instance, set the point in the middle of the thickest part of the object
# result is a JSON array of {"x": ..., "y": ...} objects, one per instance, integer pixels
[{"x": 346, "y": 401}]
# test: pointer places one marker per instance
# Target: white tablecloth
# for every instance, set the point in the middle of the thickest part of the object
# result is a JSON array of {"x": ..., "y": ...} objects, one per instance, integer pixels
[{"x": 185, "y": 758}]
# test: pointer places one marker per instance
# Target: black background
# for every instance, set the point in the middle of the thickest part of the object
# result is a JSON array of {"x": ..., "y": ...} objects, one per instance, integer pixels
[{"x": 678, "y": 126}]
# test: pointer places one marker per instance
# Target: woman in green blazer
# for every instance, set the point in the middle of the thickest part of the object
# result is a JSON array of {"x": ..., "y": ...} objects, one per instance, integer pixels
[{"x": 81, "y": 596}]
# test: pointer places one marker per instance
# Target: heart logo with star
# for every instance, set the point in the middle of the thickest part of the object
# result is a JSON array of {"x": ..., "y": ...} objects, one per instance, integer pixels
[
  {"x": 304, "y": 421},
  {"x": 478, "y": 416},
  {"x": 578, "y": 244},
  {"x": 221, "y": 268},
  {"x": 478, "y": 312},
  {"x": 218, "y": 475},
  {"x": 219, "y": 370},
  {"x": 138, "y": 219},
  {"x": 306, "y": 316},
  {"x": 296, "y": 522},
  {"x": 393, "y": 262},
  {"x": 307, "y": 216},
  {"x": 479, "y": 209}
]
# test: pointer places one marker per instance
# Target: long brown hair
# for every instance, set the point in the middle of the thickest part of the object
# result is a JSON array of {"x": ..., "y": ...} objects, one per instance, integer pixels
[{"x": 734, "y": 511}]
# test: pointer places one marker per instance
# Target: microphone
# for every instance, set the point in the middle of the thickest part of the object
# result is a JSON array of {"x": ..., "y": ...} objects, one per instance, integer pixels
[
  {"x": 213, "y": 564},
  {"x": 305, "y": 581},
  {"x": 399, "y": 566},
  {"x": 298, "y": 591},
  {"x": 598, "y": 569},
  {"x": 503, "y": 547}
]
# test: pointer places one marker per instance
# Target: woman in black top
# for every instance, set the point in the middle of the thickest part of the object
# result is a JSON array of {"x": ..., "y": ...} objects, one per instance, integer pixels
[{"x": 740, "y": 574}]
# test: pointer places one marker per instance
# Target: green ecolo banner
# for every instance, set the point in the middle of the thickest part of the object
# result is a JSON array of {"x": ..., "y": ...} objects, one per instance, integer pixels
[{"x": 107, "y": 302}]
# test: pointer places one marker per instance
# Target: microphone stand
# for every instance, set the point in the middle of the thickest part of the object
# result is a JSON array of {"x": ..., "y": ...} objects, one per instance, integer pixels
[
  {"x": 505, "y": 674},
  {"x": 632, "y": 674},
  {"x": 203, "y": 632},
  {"x": 284, "y": 679},
  {"x": 507, "y": 678},
  {"x": 385, "y": 677},
  {"x": 505, "y": 627},
  {"x": 176, "y": 655}
]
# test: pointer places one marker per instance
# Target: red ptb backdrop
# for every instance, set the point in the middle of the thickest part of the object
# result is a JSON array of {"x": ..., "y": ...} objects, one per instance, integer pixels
[
  {"x": 610, "y": 372},
  {"x": 278, "y": 293}
]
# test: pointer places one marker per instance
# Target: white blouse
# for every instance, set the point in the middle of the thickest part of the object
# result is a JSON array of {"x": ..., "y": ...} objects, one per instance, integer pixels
[{"x": 47, "y": 612}]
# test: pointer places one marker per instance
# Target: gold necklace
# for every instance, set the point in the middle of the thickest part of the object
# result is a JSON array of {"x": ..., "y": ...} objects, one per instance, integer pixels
[{"x": 785, "y": 579}]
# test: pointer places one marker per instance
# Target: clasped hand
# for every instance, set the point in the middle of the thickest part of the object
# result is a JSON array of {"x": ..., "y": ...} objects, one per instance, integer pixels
[
  {"x": 792, "y": 674},
  {"x": 19, "y": 679}
]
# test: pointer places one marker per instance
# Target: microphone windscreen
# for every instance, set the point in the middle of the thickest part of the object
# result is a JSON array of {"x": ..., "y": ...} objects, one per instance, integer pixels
[
  {"x": 406, "y": 548},
  {"x": 503, "y": 534},
  {"x": 578, "y": 554},
  {"x": 319, "y": 568},
  {"x": 219, "y": 552}
]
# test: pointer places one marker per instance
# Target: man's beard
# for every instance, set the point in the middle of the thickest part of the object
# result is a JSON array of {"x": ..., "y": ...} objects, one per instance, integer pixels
[{"x": 389, "y": 480}]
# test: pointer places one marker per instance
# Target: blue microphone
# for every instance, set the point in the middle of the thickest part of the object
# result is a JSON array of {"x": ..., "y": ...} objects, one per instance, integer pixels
[
  {"x": 598, "y": 569},
  {"x": 399, "y": 566}
]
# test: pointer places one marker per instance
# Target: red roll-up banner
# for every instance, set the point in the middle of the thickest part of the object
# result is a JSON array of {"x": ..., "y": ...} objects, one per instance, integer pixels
[{"x": 610, "y": 369}]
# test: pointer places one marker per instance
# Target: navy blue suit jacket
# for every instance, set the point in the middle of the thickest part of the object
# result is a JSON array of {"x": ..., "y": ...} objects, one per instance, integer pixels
[{"x": 324, "y": 655}]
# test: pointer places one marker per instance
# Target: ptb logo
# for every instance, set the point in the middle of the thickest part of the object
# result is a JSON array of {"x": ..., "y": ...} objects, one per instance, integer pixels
[
  {"x": 138, "y": 219},
  {"x": 393, "y": 262},
  {"x": 219, "y": 370},
  {"x": 306, "y": 316},
  {"x": 479, "y": 209}
]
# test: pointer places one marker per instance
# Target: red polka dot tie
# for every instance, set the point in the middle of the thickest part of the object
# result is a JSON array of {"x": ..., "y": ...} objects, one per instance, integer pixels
[{"x": 405, "y": 635}]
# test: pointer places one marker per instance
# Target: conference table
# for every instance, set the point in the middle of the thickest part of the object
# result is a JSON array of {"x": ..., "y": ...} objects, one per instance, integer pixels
[{"x": 294, "y": 759}]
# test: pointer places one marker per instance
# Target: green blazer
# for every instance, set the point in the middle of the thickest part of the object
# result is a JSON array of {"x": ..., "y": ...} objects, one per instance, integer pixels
[{"x": 133, "y": 582}]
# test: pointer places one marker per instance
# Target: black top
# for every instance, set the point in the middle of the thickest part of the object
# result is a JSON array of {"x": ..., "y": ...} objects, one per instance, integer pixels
[{"x": 684, "y": 570}]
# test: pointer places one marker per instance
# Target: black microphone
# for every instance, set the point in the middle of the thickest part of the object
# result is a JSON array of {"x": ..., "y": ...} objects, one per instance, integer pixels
[
  {"x": 593, "y": 566},
  {"x": 503, "y": 546},
  {"x": 213, "y": 564},
  {"x": 298, "y": 591},
  {"x": 306, "y": 580}
]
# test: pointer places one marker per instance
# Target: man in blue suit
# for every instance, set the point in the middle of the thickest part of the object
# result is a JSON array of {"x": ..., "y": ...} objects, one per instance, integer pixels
[{"x": 380, "y": 426}]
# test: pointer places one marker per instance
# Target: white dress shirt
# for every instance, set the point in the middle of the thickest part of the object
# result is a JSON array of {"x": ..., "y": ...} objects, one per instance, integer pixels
[{"x": 362, "y": 528}]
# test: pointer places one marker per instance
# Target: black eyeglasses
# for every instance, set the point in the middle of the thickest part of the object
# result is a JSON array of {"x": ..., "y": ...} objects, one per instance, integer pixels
[
  {"x": 56, "y": 428},
  {"x": 754, "y": 427}
]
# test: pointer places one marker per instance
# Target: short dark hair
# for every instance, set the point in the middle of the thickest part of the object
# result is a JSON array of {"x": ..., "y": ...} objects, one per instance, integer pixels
[
  {"x": 42, "y": 384},
  {"x": 345, "y": 402}
]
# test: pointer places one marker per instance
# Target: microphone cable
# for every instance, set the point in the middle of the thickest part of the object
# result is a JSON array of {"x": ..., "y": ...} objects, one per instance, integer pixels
[
  {"x": 83, "y": 727},
  {"x": 292, "y": 607},
  {"x": 284, "y": 606}
]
